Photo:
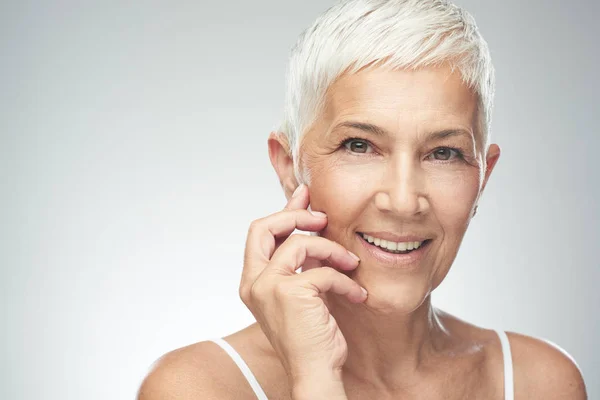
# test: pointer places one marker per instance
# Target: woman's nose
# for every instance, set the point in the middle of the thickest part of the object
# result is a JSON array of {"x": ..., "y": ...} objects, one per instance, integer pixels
[{"x": 403, "y": 190}]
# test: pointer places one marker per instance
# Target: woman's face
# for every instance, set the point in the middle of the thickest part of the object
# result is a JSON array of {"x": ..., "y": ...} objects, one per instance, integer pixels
[{"x": 397, "y": 153}]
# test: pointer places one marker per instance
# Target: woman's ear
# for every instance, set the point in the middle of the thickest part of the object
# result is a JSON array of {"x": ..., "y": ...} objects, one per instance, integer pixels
[
  {"x": 281, "y": 159},
  {"x": 493, "y": 154}
]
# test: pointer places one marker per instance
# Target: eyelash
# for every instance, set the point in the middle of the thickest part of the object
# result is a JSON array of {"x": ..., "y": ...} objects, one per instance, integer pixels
[{"x": 459, "y": 154}]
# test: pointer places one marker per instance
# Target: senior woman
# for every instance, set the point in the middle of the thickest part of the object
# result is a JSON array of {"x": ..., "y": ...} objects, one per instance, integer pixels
[{"x": 383, "y": 155}]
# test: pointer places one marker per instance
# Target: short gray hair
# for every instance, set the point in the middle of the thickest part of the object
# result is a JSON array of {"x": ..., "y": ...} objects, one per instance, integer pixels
[{"x": 398, "y": 34}]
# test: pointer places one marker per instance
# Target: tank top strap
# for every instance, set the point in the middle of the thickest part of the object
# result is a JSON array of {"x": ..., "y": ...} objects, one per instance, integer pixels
[
  {"x": 239, "y": 361},
  {"x": 508, "y": 366}
]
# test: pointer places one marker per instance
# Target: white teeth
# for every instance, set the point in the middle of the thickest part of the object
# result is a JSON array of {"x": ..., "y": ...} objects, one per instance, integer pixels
[{"x": 393, "y": 246}]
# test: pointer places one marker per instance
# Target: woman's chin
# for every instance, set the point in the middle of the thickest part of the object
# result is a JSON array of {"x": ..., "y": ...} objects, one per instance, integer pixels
[
  {"x": 395, "y": 296},
  {"x": 399, "y": 305}
]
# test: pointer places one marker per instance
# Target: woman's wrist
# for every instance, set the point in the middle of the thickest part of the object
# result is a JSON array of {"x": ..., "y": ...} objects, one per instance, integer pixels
[{"x": 317, "y": 386}]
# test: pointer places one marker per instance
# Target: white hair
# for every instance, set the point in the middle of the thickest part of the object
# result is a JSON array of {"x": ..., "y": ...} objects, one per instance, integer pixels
[{"x": 398, "y": 34}]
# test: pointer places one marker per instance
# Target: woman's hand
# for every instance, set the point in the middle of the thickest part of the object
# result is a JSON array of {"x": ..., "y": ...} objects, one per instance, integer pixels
[{"x": 287, "y": 305}]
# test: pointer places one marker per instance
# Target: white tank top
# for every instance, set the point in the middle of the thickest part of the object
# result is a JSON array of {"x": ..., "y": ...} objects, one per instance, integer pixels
[{"x": 260, "y": 394}]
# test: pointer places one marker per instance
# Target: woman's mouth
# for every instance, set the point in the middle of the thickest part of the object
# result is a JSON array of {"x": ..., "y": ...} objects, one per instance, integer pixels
[
  {"x": 406, "y": 252},
  {"x": 393, "y": 247}
]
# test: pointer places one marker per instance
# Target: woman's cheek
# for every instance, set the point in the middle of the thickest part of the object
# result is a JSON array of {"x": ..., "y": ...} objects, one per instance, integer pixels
[
  {"x": 453, "y": 192},
  {"x": 337, "y": 187}
]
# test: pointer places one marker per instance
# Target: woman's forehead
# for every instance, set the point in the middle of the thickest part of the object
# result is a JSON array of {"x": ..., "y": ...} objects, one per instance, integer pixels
[{"x": 400, "y": 98}]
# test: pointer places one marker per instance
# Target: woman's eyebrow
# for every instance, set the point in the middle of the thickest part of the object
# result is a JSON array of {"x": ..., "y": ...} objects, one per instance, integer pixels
[
  {"x": 363, "y": 126},
  {"x": 378, "y": 131}
]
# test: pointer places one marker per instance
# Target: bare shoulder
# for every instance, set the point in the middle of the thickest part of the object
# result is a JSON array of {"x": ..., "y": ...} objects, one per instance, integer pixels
[
  {"x": 542, "y": 370},
  {"x": 199, "y": 371}
]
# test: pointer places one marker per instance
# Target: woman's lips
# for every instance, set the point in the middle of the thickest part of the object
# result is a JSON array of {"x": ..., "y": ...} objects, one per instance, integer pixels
[{"x": 407, "y": 260}]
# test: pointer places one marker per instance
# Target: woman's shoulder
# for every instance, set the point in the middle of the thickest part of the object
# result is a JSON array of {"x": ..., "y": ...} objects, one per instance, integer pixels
[
  {"x": 542, "y": 369},
  {"x": 201, "y": 370},
  {"x": 196, "y": 371}
]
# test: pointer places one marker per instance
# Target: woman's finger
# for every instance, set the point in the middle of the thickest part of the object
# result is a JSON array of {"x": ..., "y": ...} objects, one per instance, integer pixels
[
  {"x": 300, "y": 199},
  {"x": 292, "y": 254},
  {"x": 327, "y": 279},
  {"x": 264, "y": 233},
  {"x": 311, "y": 263}
]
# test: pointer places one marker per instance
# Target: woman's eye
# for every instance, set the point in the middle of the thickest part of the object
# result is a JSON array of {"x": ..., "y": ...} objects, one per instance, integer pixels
[
  {"x": 358, "y": 146},
  {"x": 445, "y": 153}
]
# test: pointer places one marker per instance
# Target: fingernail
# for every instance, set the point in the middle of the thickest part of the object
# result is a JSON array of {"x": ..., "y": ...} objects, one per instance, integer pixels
[
  {"x": 353, "y": 255},
  {"x": 364, "y": 291},
  {"x": 298, "y": 190},
  {"x": 318, "y": 214}
]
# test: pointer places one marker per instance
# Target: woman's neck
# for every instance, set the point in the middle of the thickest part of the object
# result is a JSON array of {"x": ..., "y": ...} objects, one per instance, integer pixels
[{"x": 383, "y": 346}]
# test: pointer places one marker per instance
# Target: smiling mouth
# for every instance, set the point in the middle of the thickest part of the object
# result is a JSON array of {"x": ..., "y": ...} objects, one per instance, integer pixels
[{"x": 393, "y": 247}]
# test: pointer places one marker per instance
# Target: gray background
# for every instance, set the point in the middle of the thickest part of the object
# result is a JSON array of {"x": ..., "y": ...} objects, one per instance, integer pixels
[{"x": 133, "y": 157}]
